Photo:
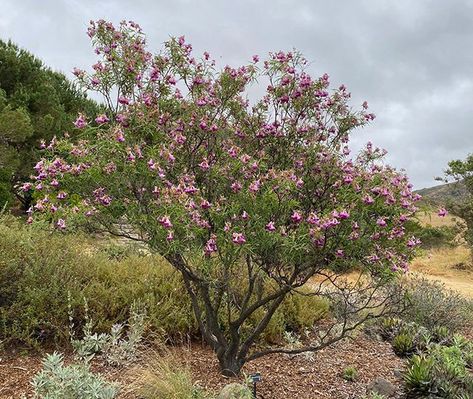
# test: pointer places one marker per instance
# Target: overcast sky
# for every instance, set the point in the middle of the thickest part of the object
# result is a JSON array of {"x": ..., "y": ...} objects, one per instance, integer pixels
[{"x": 411, "y": 60}]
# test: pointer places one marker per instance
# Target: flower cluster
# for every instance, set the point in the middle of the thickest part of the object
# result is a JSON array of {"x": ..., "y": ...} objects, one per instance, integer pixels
[{"x": 190, "y": 165}]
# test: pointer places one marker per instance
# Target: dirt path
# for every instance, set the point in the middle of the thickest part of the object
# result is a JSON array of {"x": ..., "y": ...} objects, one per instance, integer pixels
[{"x": 450, "y": 266}]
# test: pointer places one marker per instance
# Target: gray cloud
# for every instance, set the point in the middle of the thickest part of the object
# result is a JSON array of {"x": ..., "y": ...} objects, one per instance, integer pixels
[{"x": 411, "y": 60}]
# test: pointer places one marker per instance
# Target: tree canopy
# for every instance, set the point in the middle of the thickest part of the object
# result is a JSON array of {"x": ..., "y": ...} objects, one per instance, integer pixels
[
  {"x": 36, "y": 104},
  {"x": 249, "y": 201}
]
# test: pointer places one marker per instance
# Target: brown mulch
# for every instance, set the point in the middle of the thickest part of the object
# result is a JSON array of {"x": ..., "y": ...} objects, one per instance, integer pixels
[
  {"x": 306, "y": 376},
  {"x": 303, "y": 377}
]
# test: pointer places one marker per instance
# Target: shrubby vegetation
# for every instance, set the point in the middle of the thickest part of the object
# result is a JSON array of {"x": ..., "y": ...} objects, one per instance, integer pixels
[
  {"x": 42, "y": 270},
  {"x": 247, "y": 202},
  {"x": 462, "y": 171},
  {"x": 39, "y": 268},
  {"x": 439, "y": 359},
  {"x": 243, "y": 218},
  {"x": 444, "y": 371},
  {"x": 70, "y": 382},
  {"x": 431, "y": 305},
  {"x": 433, "y": 237},
  {"x": 36, "y": 104}
]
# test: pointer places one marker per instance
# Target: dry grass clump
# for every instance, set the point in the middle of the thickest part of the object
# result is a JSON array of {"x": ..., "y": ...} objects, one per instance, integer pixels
[{"x": 163, "y": 376}]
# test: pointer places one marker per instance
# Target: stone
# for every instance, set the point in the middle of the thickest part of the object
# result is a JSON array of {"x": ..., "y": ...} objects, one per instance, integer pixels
[
  {"x": 382, "y": 387},
  {"x": 398, "y": 373},
  {"x": 235, "y": 391}
]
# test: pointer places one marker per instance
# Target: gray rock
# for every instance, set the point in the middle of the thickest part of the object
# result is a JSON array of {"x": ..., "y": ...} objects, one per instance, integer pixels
[
  {"x": 235, "y": 391},
  {"x": 382, "y": 387},
  {"x": 398, "y": 373}
]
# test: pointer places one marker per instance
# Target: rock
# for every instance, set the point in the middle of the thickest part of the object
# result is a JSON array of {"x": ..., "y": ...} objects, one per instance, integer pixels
[
  {"x": 382, "y": 387},
  {"x": 398, "y": 373},
  {"x": 235, "y": 391}
]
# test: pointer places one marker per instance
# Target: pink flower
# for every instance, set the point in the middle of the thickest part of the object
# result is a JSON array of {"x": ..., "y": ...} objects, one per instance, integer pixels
[
  {"x": 412, "y": 242},
  {"x": 123, "y": 100},
  {"x": 296, "y": 217},
  {"x": 368, "y": 200},
  {"x": 236, "y": 186},
  {"x": 90, "y": 213},
  {"x": 102, "y": 118},
  {"x": 204, "y": 165},
  {"x": 80, "y": 122},
  {"x": 343, "y": 215},
  {"x": 191, "y": 190},
  {"x": 119, "y": 136},
  {"x": 211, "y": 245},
  {"x": 255, "y": 58},
  {"x": 170, "y": 236},
  {"x": 313, "y": 219},
  {"x": 442, "y": 212},
  {"x": 61, "y": 195},
  {"x": 245, "y": 215},
  {"x": 26, "y": 187},
  {"x": 130, "y": 157},
  {"x": 270, "y": 226},
  {"x": 205, "y": 204},
  {"x": 255, "y": 186},
  {"x": 151, "y": 164},
  {"x": 61, "y": 224},
  {"x": 402, "y": 218},
  {"x": 339, "y": 253},
  {"x": 165, "y": 222},
  {"x": 233, "y": 152},
  {"x": 381, "y": 222},
  {"x": 238, "y": 238}
]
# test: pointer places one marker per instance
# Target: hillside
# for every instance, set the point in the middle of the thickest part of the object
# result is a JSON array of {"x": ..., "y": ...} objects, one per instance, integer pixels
[{"x": 441, "y": 194}]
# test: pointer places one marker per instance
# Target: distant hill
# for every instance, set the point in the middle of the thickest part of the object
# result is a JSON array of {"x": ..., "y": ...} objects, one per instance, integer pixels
[{"x": 442, "y": 194}]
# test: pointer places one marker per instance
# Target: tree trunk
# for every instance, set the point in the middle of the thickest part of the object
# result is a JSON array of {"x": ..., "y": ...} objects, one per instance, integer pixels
[{"x": 230, "y": 365}]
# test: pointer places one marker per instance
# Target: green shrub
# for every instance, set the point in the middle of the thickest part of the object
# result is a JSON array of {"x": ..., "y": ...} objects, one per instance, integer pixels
[
  {"x": 117, "y": 347},
  {"x": 443, "y": 371},
  {"x": 39, "y": 268},
  {"x": 373, "y": 395},
  {"x": 430, "y": 236},
  {"x": 403, "y": 343},
  {"x": 432, "y": 305},
  {"x": 440, "y": 334},
  {"x": 419, "y": 375},
  {"x": 70, "y": 382},
  {"x": 350, "y": 373},
  {"x": 297, "y": 313},
  {"x": 389, "y": 327},
  {"x": 301, "y": 311}
]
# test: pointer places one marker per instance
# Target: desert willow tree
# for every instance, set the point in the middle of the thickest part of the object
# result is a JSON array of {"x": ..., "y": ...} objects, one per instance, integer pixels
[{"x": 248, "y": 201}]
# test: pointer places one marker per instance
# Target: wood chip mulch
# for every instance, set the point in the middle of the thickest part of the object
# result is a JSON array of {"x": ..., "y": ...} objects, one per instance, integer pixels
[{"x": 304, "y": 376}]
